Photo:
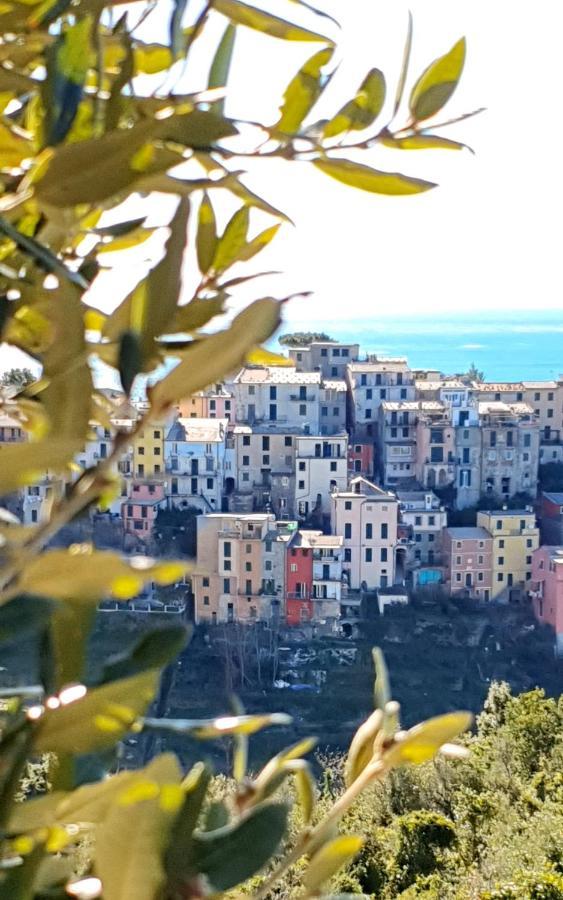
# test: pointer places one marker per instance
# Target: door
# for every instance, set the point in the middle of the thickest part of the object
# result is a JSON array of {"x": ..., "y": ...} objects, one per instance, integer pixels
[{"x": 468, "y": 579}]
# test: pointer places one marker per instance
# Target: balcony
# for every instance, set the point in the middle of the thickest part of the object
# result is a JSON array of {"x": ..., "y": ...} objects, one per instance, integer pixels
[
  {"x": 297, "y": 595},
  {"x": 310, "y": 398}
]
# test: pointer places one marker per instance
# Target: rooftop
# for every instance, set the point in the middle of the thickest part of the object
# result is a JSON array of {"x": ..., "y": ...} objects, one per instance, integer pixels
[
  {"x": 506, "y": 513},
  {"x": 276, "y": 375},
  {"x": 318, "y": 539},
  {"x": 499, "y": 387},
  {"x": 555, "y": 497},
  {"x": 334, "y": 384},
  {"x": 201, "y": 431},
  {"x": 538, "y": 385},
  {"x": 417, "y": 497},
  {"x": 468, "y": 533},
  {"x": 413, "y": 406},
  {"x": 395, "y": 364},
  {"x": 366, "y": 489},
  {"x": 7, "y": 421},
  {"x": 555, "y": 553},
  {"x": 453, "y": 385},
  {"x": 499, "y": 408}
]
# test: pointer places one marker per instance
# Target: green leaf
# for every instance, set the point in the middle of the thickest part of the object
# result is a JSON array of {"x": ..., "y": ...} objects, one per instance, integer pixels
[
  {"x": 363, "y": 109},
  {"x": 437, "y": 83},
  {"x": 120, "y": 229},
  {"x": 26, "y": 463},
  {"x": 130, "y": 360},
  {"x": 235, "y": 186},
  {"x": 71, "y": 625},
  {"x": 44, "y": 257},
  {"x": 199, "y": 129},
  {"x": 130, "y": 843},
  {"x": 422, "y": 742},
  {"x": 423, "y": 142},
  {"x": 218, "y": 354},
  {"x": 302, "y": 92},
  {"x": 219, "y": 71},
  {"x": 265, "y": 22},
  {"x": 67, "y": 68},
  {"x": 258, "y": 243},
  {"x": 232, "y": 240},
  {"x": 16, "y": 883},
  {"x": 24, "y": 615},
  {"x": 372, "y": 180},
  {"x": 381, "y": 688},
  {"x": 98, "y": 720},
  {"x": 177, "y": 39},
  {"x": 196, "y": 314},
  {"x": 296, "y": 751},
  {"x": 156, "y": 648},
  {"x": 216, "y": 816},
  {"x": 404, "y": 68},
  {"x": 223, "y": 726},
  {"x": 206, "y": 239},
  {"x": 180, "y": 852},
  {"x": 232, "y": 854},
  {"x": 329, "y": 860}
]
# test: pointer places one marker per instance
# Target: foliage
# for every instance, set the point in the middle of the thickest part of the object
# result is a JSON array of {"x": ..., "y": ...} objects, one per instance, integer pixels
[
  {"x": 17, "y": 378},
  {"x": 303, "y": 338},
  {"x": 474, "y": 374},
  {"x": 91, "y": 127}
]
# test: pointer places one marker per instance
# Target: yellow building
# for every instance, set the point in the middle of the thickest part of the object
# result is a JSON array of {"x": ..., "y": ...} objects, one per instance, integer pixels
[
  {"x": 515, "y": 537},
  {"x": 148, "y": 451}
]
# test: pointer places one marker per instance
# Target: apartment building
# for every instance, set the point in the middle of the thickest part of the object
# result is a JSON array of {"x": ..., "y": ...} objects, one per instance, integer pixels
[
  {"x": 313, "y": 578},
  {"x": 515, "y": 537},
  {"x": 546, "y": 399},
  {"x": 11, "y": 431},
  {"x": 140, "y": 510},
  {"x": 330, "y": 358},
  {"x": 509, "y": 448},
  {"x": 452, "y": 392},
  {"x": 195, "y": 456},
  {"x": 260, "y": 469},
  {"x": 396, "y": 441},
  {"x": 238, "y": 575},
  {"x": 547, "y": 590},
  {"x": 426, "y": 519},
  {"x": 321, "y": 469},
  {"x": 551, "y": 518},
  {"x": 148, "y": 451},
  {"x": 36, "y": 500},
  {"x": 366, "y": 516},
  {"x": 333, "y": 405},
  {"x": 468, "y": 450},
  {"x": 372, "y": 383},
  {"x": 435, "y": 445},
  {"x": 468, "y": 558},
  {"x": 213, "y": 403},
  {"x": 361, "y": 459},
  {"x": 278, "y": 394}
]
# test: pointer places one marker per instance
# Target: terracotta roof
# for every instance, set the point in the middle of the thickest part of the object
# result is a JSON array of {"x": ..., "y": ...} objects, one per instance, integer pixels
[{"x": 276, "y": 375}]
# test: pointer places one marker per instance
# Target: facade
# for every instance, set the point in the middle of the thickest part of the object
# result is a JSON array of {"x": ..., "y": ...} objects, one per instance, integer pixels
[
  {"x": 468, "y": 554},
  {"x": 140, "y": 510},
  {"x": 326, "y": 594},
  {"x": 213, "y": 403},
  {"x": 361, "y": 459},
  {"x": 435, "y": 446},
  {"x": 299, "y": 582},
  {"x": 396, "y": 441},
  {"x": 551, "y": 518},
  {"x": 148, "y": 452},
  {"x": 366, "y": 516},
  {"x": 515, "y": 537},
  {"x": 330, "y": 358},
  {"x": 509, "y": 449},
  {"x": 195, "y": 463},
  {"x": 426, "y": 519},
  {"x": 547, "y": 590},
  {"x": 238, "y": 576},
  {"x": 372, "y": 383},
  {"x": 260, "y": 469},
  {"x": 468, "y": 451},
  {"x": 278, "y": 394},
  {"x": 333, "y": 403},
  {"x": 11, "y": 431},
  {"x": 321, "y": 469}
]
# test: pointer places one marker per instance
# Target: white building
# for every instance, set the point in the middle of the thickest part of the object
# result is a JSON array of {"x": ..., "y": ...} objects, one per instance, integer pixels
[
  {"x": 426, "y": 519},
  {"x": 330, "y": 358},
  {"x": 194, "y": 456},
  {"x": 321, "y": 468},
  {"x": 372, "y": 383},
  {"x": 328, "y": 553},
  {"x": 278, "y": 394}
]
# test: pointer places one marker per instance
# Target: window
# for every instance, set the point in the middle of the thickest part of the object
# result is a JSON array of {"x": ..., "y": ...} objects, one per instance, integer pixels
[
  {"x": 519, "y": 397},
  {"x": 336, "y": 411},
  {"x": 347, "y": 555},
  {"x": 431, "y": 538},
  {"x": 431, "y": 520},
  {"x": 458, "y": 560},
  {"x": 403, "y": 393},
  {"x": 245, "y": 476},
  {"x": 248, "y": 567},
  {"x": 129, "y": 510},
  {"x": 369, "y": 531},
  {"x": 384, "y": 554},
  {"x": 527, "y": 440},
  {"x": 348, "y": 530},
  {"x": 522, "y": 524},
  {"x": 246, "y": 460},
  {"x": 383, "y": 393},
  {"x": 293, "y": 567},
  {"x": 528, "y": 542},
  {"x": 205, "y": 582},
  {"x": 528, "y": 560},
  {"x": 227, "y": 548},
  {"x": 268, "y": 546},
  {"x": 368, "y": 554},
  {"x": 265, "y": 459},
  {"x": 347, "y": 504},
  {"x": 550, "y": 395},
  {"x": 480, "y": 560},
  {"x": 141, "y": 451},
  {"x": 436, "y": 454},
  {"x": 499, "y": 524},
  {"x": 369, "y": 394},
  {"x": 333, "y": 466},
  {"x": 287, "y": 441},
  {"x": 273, "y": 392},
  {"x": 384, "y": 530},
  {"x": 206, "y": 601},
  {"x": 34, "y": 515},
  {"x": 550, "y": 414},
  {"x": 500, "y": 560},
  {"x": 248, "y": 548},
  {"x": 500, "y": 576},
  {"x": 493, "y": 438},
  {"x": 268, "y": 565},
  {"x": 418, "y": 520},
  {"x": 345, "y": 351},
  {"x": 246, "y": 440},
  {"x": 418, "y": 537},
  {"x": 301, "y": 485},
  {"x": 465, "y": 455},
  {"x": 336, "y": 351},
  {"x": 227, "y": 565},
  {"x": 324, "y": 411},
  {"x": 480, "y": 576},
  {"x": 324, "y": 351},
  {"x": 248, "y": 586},
  {"x": 226, "y": 585},
  {"x": 458, "y": 576},
  {"x": 302, "y": 466},
  {"x": 368, "y": 413},
  {"x": 363, "y": 380}
]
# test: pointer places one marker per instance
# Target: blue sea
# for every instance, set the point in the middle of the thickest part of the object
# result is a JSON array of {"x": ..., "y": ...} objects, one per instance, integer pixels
[{"x": 516, "y": 346}]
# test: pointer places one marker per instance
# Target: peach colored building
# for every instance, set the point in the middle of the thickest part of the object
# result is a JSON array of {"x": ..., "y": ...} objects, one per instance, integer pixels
[
  {"x": 140, "y": 510},
  {"x": 547, "y": 590},
  {"x": 213, "y": 403},
  {"x": 468, "y": 556}
]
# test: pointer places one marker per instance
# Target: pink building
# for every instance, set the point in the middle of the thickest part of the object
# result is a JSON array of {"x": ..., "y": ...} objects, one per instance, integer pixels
[
  {"x": 140, "y": 510},
  {"x": 468, "y": 556},
  {"x": 547, "y": 590}
]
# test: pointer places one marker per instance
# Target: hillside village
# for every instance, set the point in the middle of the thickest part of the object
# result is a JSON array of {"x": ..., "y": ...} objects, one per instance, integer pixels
[{"x": 329, "y": 486}]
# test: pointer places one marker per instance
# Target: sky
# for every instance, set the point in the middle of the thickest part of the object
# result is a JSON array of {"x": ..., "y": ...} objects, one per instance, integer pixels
[{"x": 486, "y": 239}]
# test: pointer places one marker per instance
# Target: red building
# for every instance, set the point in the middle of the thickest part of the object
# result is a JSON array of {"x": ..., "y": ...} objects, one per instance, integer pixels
[
  {"x": 360, "y": 460},
  {"x": 298, "y": 582},
  {"x": 551, "y": 518}
]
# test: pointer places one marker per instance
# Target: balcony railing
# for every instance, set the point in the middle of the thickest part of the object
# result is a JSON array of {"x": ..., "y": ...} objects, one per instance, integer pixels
[
  {"x": 310, "y": 398},
  {"x": 297, "y": 595}
]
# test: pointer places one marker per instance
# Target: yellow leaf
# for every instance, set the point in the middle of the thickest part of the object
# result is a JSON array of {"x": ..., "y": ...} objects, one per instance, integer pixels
[
  {"x": 372, "y": 180},
  {"x": 437, "y": 83},
  {"x": 206, "y": 239},
  {"x": 218, "y": 354},
  {"x": 363, "y": 110},
  {"x": 329, "y": 859},
  {"x": 151, "y": 58},
  {"x": 302, "y": 92},
  {"x": 422, "y": 742},
  {"x": 23, "y": 464},
  {"x": 13, "y": 149},
  {"x": 126, "y": 242},
  {"x": 423, "y": 142},
  {"x": 232, "y": 240},
  {"x": 265, "y": 22},
  {"x": 361, "y": 749}
]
